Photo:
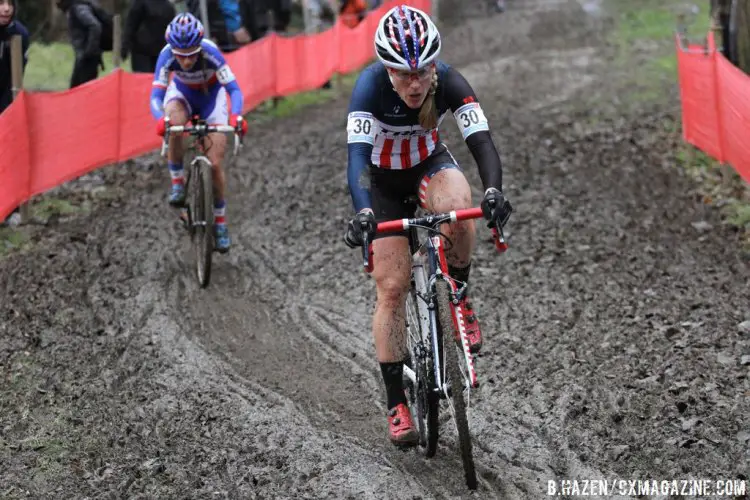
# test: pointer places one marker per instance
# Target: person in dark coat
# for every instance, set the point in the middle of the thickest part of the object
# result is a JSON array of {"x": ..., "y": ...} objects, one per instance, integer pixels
[
  {"x": 9, "y": 27},
  {"x": 85, "y": 32},
  {"x": 146, "y": 22},
  {"x": 256, "y": 12},
  {"x": 217, "y": 25}
]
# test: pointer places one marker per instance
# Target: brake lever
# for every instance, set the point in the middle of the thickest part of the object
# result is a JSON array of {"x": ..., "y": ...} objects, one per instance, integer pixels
[
  {"x": 165, "y": 141},
  {"x": 499, "y": 238},
  {"x": 366, "y": 252},
  {"x": 497, "y": 234}
]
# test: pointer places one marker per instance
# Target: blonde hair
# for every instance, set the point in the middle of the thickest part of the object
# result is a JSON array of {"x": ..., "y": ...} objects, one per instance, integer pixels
[{"x": 428, "y": 117}]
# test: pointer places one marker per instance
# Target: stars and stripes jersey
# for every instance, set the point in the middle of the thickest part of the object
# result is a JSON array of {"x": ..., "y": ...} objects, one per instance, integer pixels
[
  {"x": 209, "y": 72},
  {"x": 383, "y": 132}
]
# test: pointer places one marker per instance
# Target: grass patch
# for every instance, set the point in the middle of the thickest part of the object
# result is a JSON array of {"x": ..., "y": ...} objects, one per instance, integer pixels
[
  {"x": 11, "y": 239},
  {"x": 41, "y": 209},
  {"x": 643, "y": 39},
  {"x": 50, "y": 66},
  {"x": 721, "y": 186},
  {"x": 738, "y": 214},
  {"x": 47, "y": 207}
]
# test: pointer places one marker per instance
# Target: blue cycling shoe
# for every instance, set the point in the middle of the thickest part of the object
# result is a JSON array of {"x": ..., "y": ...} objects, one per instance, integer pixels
[
  {"x": 223, "y": 241},
  {"x": 177, "y": 195}
]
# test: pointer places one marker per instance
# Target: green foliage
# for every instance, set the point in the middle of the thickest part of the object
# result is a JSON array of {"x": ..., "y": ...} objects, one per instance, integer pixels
[{"x": 50, "y": 66}]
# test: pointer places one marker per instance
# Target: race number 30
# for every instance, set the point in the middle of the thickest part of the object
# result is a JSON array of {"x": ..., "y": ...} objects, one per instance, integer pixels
[
  {"x": 470, "y": 119},
  {"x": 361, "y": 127}
]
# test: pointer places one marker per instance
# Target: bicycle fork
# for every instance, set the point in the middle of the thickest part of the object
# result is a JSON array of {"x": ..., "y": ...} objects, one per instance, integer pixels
[
  {"x": 427, "y": 316},
  {"x": 440, "y": 271},
  {"x": 424, "y": 317}
]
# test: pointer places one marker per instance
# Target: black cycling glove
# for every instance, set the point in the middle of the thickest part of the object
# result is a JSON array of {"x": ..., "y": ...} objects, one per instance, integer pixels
[
  {"x": 362, "y": 223},
  {"x": 495, "y": 208}
]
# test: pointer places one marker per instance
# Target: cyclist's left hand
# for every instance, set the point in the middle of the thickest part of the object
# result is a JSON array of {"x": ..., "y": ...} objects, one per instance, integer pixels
[
  {"x": 495, "y": 208},
  {"x": 161, "y": 126},
  {"x": 239, "y": 124}
]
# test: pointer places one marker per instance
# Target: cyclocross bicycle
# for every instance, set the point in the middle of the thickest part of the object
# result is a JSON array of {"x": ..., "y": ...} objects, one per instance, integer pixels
[
  {"x": 199, "y": 186},
  {"x": 440, "y": 366}
]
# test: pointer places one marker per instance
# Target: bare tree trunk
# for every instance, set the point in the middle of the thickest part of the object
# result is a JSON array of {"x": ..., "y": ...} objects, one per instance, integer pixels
[
  {"x": 742, "y": 27},
  {"x": 58, "y": 26}
]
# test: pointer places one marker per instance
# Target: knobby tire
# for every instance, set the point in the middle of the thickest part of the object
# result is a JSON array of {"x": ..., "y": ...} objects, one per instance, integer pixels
[
  {"x": 451, "y": 358},
  {"x": 202, "y": 194},
  {"x": 425, "y": 398}
]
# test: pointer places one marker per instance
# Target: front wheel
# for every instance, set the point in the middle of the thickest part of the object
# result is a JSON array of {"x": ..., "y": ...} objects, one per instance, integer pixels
[
  {"x": 451, "y": 357},
  {"x": 202, "y": 214},
  {"x": 422, "y": 395}
]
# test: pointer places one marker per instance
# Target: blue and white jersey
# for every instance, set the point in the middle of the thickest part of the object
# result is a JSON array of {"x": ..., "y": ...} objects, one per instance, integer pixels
[{"x": 209, "y": 73}]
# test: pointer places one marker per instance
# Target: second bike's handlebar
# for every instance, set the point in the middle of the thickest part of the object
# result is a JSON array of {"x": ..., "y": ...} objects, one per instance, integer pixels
[
  {"x": 430, "y": 221},
  {"x": 200, "y": 129}
]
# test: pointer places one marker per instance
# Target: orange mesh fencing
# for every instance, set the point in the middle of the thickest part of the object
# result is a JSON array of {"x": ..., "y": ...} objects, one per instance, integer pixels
[{"x": 715, "y": 107}]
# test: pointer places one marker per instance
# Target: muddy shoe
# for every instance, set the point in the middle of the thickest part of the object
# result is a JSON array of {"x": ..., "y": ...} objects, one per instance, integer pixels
[
  {"x": 471, "y": 326},
  {"x": 223, "y": 241},
  {"x": 177, "y": 195},
  {"x": 401, "y": 429}
]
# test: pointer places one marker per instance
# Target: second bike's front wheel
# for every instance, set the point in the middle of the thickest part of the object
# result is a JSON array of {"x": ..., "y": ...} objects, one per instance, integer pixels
[
  {"x": 451, "y": 357},
  {"x": 202, "y": 213}
]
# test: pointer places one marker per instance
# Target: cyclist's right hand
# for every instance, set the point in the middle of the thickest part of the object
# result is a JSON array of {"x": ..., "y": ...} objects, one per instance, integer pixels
[{"x": 362, "y": 223}]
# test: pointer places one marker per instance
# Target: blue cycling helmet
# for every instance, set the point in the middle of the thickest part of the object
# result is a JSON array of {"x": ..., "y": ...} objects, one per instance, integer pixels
[{"x": 184, "y": 32}]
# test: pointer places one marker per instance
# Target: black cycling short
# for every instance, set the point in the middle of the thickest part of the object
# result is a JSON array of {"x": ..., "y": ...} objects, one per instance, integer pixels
[{"x": 395, "y": 193}]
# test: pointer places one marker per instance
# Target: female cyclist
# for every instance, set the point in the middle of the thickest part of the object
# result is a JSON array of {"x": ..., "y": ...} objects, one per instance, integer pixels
[
  {"x": 200, "y": 84},
  {"x": 395, "y": 152}
]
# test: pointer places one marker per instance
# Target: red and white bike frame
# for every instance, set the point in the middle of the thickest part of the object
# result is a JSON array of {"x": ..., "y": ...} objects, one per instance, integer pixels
[{"x": 424, "y": 272}]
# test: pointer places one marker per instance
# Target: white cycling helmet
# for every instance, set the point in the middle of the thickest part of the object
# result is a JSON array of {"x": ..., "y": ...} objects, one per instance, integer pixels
[{"x": 407, "y": 39}]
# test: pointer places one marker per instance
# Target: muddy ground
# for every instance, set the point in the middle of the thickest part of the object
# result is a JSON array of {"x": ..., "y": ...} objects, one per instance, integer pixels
[{"x": 612, "y": 338}]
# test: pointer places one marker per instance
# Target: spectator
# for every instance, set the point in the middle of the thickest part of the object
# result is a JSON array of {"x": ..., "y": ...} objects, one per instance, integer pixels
[
  {"x": 143, "y": 38},
  {"x": 85, "y": 32},
  {"x": 352, "y": 12},
  {"x": 234, "y": 23},
  {"x": 249, "y": 10},
  {"x": 9, "y": 27},
  {"x": 216, "y": 25},
  {"x": 322, "y": 14},
  {"x": 282, "y": 15},
  {"x": 225, "y": 22}
]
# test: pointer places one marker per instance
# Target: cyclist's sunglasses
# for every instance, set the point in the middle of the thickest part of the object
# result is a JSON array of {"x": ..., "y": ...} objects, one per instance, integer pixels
[
  {"x": 187, "y": 54},
  {"x": 404, "y": 76}
]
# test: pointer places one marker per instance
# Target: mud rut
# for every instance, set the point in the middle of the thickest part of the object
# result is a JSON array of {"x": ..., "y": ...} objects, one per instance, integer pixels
[{"x": 612, "y": 346}]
